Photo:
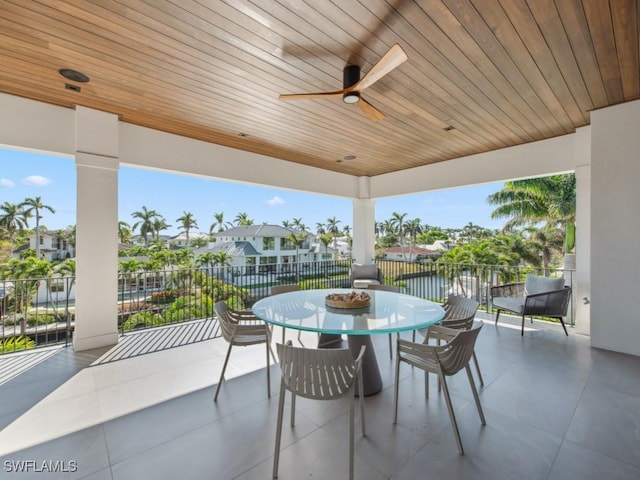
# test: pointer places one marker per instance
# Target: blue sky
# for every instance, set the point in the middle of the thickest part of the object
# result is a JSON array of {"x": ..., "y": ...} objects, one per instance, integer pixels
[{"x": 26, "y": 174}]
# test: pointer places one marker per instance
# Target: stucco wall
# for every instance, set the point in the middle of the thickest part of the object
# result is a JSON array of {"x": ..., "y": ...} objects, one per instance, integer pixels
[{"x": 615, "y": 208}]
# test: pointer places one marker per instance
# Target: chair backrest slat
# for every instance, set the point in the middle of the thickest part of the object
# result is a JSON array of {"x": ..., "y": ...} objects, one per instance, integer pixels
[
  {"x": 320, "y": 374},
  {"x": 456, "y": 354}
]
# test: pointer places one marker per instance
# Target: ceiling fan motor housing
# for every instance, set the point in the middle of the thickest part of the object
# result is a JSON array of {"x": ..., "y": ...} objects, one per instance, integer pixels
[{"x": 350, "y": 76}]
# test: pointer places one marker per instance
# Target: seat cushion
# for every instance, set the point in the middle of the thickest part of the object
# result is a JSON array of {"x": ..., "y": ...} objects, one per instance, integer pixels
[
  {"x": 535, "y": 284},
  {"x": 365, "y": 271},
  {"x": 511, "y": 304},
  {"x": 364, "y": 282}
]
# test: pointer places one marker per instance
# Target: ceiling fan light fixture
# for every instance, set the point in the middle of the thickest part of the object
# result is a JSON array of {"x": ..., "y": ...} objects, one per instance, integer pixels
[{"x": 351, "y": 97}]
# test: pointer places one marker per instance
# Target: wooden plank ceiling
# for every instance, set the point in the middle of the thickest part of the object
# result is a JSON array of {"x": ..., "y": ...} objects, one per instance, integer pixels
[{"x": 501, "y": 72}]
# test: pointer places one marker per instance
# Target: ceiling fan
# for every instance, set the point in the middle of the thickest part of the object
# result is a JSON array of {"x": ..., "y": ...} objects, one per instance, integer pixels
[{"x": 353, "y": 85}]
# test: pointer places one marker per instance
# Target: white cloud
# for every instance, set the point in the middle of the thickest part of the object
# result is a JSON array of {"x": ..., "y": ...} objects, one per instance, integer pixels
[
  {"x": 275, "y": 201},
  {"x": 37, "y": 181},
  {"x": 6, "y": 183}
]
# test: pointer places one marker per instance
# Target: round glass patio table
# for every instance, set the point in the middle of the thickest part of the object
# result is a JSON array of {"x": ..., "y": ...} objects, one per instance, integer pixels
[{"x": 388, "y": 312}]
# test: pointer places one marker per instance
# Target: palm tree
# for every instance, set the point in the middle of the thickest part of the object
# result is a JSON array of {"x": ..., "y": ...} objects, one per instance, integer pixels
[
  {"x": 67, "y": 269},
  {"x": 145, "y": 223},
  {"x": 206, "y": 259},
  {"x": 242, "y": 219},
  {"x": 12, "y": 219},
  {"x": 325, "y": 240},
  {"x": 546, "y": 199},
  {"x": 124, "y": 232},
  {"x": 333, "y": 229},
  {"x": 159, "y": 224},
  {"x": 222, "y": 258},
  {"x": 186, "y": 223},
  {"x": 546, "y": 242},
  {"x": 320, "y": 228},
  {"x": 31, "y": 205},
  {"x": 398, "y": 225},
  {"x": 298, "y": 224},
  {"x": 298, "y": 240},
  {"x": 219, "y": 223},
  {"x": 412, "y": 229}
]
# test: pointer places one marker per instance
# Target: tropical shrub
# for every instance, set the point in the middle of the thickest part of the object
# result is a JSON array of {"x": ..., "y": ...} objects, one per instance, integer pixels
[
  {"x": 142, "y": 320},
  {"x": 35, "y": 319},
  {"x": 164, "y": 296},
  {"x": 15, "y": 344}
]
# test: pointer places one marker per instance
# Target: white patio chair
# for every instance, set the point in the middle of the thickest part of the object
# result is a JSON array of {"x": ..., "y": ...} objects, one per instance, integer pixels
[
  {"x": 242, "y": 328},
  {"x": 459, "y": 314},
  {"x": 290, "y": 287},
  {"x": 443, "y": 360},
  {"x": 386, "y": 288},
  {"x": 319, "y": 374}
]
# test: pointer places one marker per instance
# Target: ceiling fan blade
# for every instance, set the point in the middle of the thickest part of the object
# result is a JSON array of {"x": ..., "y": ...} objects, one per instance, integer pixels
[
  {"x": 370, "y": 111},
  {"x": 390, "y": 60},
  {"x": 302, "y": 96}
]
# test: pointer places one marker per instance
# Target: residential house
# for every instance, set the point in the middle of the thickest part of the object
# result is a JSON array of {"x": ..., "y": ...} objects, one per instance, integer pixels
[
  {"x": 54, "y": 245},
  {"x": 261, "y": 248},
  {"x": 408, "y": 253},
  {"x": 180, "y": 240}
]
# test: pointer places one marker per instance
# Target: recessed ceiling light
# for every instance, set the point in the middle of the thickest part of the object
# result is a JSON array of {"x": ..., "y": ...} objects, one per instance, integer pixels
[
  {"x": 73, "y": 75},
  {"x": 448, "y": 128},
  {"x": 242, "y": 134},
  {"x": 350, "y": 157}
]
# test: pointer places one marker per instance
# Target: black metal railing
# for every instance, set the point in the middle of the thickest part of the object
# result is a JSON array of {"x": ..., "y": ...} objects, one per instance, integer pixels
[
  {"x": 40, "y": 312},
  {"x": 35, "y": 312}
]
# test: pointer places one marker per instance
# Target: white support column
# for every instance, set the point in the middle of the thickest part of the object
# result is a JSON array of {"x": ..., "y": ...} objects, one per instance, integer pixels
[
  {"x": 364, "y": 229},
  {"x": 96, "y": 229},
  {"x": 615, "y": 203},
  {"x": 582, "y": 291}
]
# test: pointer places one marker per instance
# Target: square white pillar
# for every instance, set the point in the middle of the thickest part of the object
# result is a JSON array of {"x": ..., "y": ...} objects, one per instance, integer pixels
[{"x": 96, "y": 319}]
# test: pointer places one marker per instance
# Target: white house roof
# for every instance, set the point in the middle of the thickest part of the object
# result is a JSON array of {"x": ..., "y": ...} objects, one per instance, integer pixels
[
  {"x": 192, "y": 235},
  {"x": 234, "y": 249},
  {"x": 257, "y": 231}
]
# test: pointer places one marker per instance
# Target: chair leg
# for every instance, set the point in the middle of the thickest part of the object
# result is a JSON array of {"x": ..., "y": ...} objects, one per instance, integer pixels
[
  {"x": 293, "y": 409},
  {"x": 426, "y": 384},
  {"x": 452, "y": 415},
  {"x": 522, "y": 331},
  {"x": 276, "y": 455},
  {"x": 497, "y": 315},
  {"x": 395, "y": 389},
  {"x": 352, "y": 405},
  {"x": 475, "y": 361},
  {"x": 390, "y": 346},
  {"x": 361, "y": 400},
  {"x": 224, "y": 367},
  {"x": 563, "y": 326},
  {"x": 476, "y": 398},
  {"x": 268, "y": 370}
]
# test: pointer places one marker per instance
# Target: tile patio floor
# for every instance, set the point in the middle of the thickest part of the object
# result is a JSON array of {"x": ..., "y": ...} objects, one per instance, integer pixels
[{"x": 555, "y": 407}]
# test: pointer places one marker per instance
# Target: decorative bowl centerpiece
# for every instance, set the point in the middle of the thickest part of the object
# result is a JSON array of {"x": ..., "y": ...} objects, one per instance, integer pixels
[{"x": 348, "y": 300}]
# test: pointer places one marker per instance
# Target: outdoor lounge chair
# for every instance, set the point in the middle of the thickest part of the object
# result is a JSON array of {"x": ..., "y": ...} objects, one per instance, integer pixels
[
  {"x": 362, "y": 276},
  {"x": 542, "y": 296}
]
